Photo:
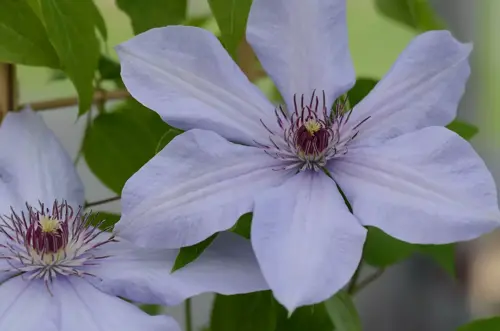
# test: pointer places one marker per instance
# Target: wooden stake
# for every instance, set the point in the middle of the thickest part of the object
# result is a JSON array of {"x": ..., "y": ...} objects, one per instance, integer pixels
[
  {"x": 99, "y": 96},
  {"x": 8, "y": 95}
]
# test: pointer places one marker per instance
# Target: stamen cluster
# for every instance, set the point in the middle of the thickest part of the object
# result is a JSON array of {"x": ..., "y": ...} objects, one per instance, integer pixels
[
  {"x": 44, "y": 243},
  {"x": 311, "y": 135}
]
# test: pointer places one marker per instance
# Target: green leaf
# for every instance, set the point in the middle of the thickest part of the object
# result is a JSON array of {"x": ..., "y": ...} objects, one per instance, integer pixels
[
  {"x": 190, "y": 253},
  {"x": 23, "y": 39},
  {"x": 104, "y": 220},
  {"x": 465, "y": 130},
  {"x": 244, "y": 312},
  {"x": 382, "y": 250},
  {"x": 487, "y": 324},
  {"x": 198, "y": 21},
  {"x": 167, "y": 138},
  {"x": 99, "y": 21},
  {"x": 360, "y": 90},
  {"x": 417, "y": 14},
  {"x": 117, "y": 144},
  {"x": 444, "y": 255},
  {"x": 109, "y": 70},
  {"x": 343, "y": 312},
  {"x": 243, "y": 226},
  {"x": 314, "y": 318},
  {"x": 148, "y": 14},
  {"x": 231, "y": 16},
  {"x": 152, "y": 310},
  {"x": 71, "y": 29}
]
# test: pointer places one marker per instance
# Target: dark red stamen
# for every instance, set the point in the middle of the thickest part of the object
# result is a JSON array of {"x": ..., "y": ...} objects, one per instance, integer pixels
[{"x": 312, "y": 143}]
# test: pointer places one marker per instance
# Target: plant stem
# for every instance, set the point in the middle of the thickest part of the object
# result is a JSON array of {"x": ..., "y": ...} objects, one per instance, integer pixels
[
  {"x": 368, "y": 280},
  {"x": 187, "y": 308},
  {"x": 352, "y": 284},
  {"x": 100, "y": 202}
]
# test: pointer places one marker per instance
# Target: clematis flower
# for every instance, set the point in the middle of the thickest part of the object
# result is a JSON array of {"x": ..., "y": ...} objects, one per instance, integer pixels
[
  {"x": 59, "y": 273},
  {"x": 399, "y": 168}
]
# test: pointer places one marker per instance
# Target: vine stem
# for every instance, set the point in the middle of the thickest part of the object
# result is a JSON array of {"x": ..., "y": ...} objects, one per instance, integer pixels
[
  {"x": 352, "y": 284},
  {"x": 188, "y": 314},
  {"x": 100, "y": 202}
]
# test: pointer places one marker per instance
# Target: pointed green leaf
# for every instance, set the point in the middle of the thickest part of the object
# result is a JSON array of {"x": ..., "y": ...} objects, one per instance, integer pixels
[
  {"x": 99, "y": 21},
  {"x": 382, "y": 250},
  {"x": 119, "y": 143},
  {"x": 487, "y": 324},
  {"x": 231, "y": 16},
  {"x": 23, "y": 39},
  {"x": 190, "y": 253},
  {"x": 244, "y": 312},
  {"x": 167, "y": 138},
  {"x": 104, "y": 220},
  {"x": 148, "y": 14},
  {"x": 343, "y": 312},
  {"x": 313, "y": 317},
  {"x": 465, "y": 130},
  {"x": 244, "y": 226},
  {"x": 444, "y": 255},
  {"x": 360, "y": 90},
  {"x": 71, "y": 29}
]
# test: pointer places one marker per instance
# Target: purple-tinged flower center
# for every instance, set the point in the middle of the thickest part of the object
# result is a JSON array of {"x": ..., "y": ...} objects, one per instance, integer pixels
[
  {"x": 312, "y": 138},
  {"x": 47, "y": 235},
  {"x": 312, "y": 134},
  {"x": 47, "y": 242}
]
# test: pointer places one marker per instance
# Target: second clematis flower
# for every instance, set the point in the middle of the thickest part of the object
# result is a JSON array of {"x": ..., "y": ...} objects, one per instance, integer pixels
[
  {"x": 397, "y": 165},
  {"x": 60, "y": 273}
]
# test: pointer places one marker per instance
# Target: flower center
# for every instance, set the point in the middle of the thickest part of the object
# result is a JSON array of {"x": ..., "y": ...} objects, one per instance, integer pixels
[
  {"x": 312, "y": 138},
  {"x": 310, "y": 135},
  {"x": 44, "y": 243},
  {"x": 46, "y": 235}
]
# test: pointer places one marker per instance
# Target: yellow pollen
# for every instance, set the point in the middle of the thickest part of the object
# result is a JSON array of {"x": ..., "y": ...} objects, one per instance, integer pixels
[
  {"x": 312, "y": 126},
  {"x": 49, "y": 225}
]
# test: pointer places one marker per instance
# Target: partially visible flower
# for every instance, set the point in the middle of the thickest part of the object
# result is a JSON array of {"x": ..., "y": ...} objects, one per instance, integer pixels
[
  {"x": 60, "y": 273},
  {"x": 399, "y": 168}
]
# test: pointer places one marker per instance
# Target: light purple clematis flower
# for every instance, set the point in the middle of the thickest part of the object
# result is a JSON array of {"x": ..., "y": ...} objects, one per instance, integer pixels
[
  {"x": 58, "y": 273},
  {"x": 400, "y": 169}
]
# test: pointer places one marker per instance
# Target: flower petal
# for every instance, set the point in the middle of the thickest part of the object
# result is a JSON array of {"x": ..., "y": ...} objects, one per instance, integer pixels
[
  {"x": 85, "y": 308},
  {"x": 185, "y": 75},
  {"x": 423, "y": 88},
  {"x": 426, "y": 187},
  {"x": 307, "y": 242},
  {"x": 26, "y": 306},
  {"x": 33, "y": 164},
  {"x": 227, "y": 266},
  {"x": 197, "y": 185},
  {"x": 303, "y": 46}
]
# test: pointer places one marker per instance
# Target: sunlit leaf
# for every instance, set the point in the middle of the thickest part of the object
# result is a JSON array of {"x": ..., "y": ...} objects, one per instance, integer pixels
[
  {"x": 71, "y": 29},
  {"x": 232, "y": 19},
  {"x": 148, "y": 14},
  {"x": 23, "y": 38},
  {"x": 244, "y": 312},
  {"x": 343, "y": 313},
  {"x": 417, "y": 14},
  {"x": 99, "y": 21},
  {"x": 190, "y": 253},
  {"x": 487, "y": 324},
  {"x": 465, "y": 130},
  {"x": 119, "y": 143}
]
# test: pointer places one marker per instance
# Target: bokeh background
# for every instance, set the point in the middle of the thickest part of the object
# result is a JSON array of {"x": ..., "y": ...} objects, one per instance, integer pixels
[{"x": 414, "y": 295}]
